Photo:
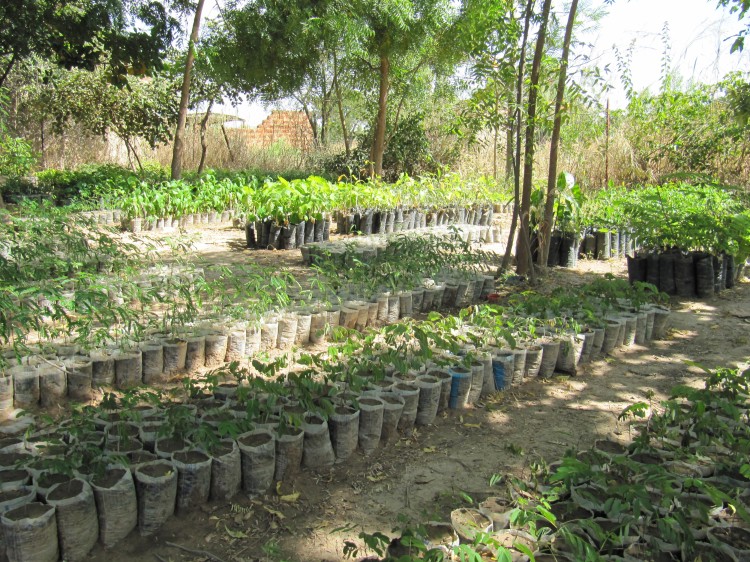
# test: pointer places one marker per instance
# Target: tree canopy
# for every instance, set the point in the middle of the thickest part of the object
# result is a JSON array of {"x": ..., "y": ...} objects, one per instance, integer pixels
[{"x": 131, "y": 36}]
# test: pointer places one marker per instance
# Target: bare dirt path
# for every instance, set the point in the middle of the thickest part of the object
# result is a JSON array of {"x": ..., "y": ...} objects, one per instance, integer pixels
[{"x": 423, "y": 477}]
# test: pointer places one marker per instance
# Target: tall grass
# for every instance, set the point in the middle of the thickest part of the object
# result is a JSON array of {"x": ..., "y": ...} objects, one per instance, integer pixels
[{"x": 585, "y": 159}]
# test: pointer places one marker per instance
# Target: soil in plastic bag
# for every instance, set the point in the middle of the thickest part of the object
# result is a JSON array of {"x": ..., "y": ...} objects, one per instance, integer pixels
[
  {"x": 193, "y": 479},
  {"x": 77, "y": 522},
  {"x": 156, "y": 488},
  {"x": 30, "y": 533},
  {"x": 116, "y": 505}
]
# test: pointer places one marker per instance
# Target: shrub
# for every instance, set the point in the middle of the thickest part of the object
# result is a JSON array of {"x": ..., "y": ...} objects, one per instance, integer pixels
[
  {"x": 16, "y": 157},
  {"x": 407, "y": 152}
]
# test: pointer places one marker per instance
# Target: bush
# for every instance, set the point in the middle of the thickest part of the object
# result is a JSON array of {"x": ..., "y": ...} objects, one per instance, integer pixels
[
  {"x": 407, "y": 152},
  {"x": 355, "y": 165},
  {"x": 16, "y": 157}
]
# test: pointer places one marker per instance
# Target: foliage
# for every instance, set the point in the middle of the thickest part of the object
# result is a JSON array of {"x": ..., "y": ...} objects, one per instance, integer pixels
[
  {"x": 490, "y": 33},
  {"x": 691, "y": 216},
  {"x": 131, "y": 37},
  {"x": 52, "y": 263},
  {"x": 252, "y": 50},
  {"x": 338, "y": 50},
  {"x": 63, "y": 276},
  {"x": 147, "y": 108},
  {"x": 16, "y": 156},
  {"x": 407, "y": 152},
  {"x": 403, "y": 264},
  {"x": 353, "y": 165},
  {"x": 569, "y": 207},
  {"x": 149, "y": 194},
  {"x": 696, "y": 130}
]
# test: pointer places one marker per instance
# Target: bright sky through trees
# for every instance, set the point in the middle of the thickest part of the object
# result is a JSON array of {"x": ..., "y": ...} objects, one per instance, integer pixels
[{"x": 699, "y": 37}]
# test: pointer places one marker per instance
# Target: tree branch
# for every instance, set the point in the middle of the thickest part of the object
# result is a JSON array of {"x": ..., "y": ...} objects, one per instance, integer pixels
[{"x": 8, "y": 68}]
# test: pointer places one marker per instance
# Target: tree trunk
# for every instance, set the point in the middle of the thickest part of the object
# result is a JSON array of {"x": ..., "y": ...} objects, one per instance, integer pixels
[
  {"x": 325, "y": 110},
  {"x": 131, "y": 150},
  {"x": 545, "y": 229},
  {"x": 204, "y": 141},
  {"x": 515, "y": 127},
  {"x": 43, "y": 146},
  {"x": 185, "y": 95},
  {"x": 378, "y": 145},
  {"x": 495, "y": 134},
  {"x": 509, "y": 136},
  {"x": 323, "y": 125},
  {"x": 311, "y": 120},
  {"x": 523, "y": 251},
  {"x": 226, "y": 141},
  {"x": 340, "y": 103}
]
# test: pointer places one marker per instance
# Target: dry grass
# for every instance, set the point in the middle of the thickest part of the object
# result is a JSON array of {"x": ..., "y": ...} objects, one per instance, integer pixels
[
  {"x": 585, "y": 160},
  {"x": 231, "y": 153}
]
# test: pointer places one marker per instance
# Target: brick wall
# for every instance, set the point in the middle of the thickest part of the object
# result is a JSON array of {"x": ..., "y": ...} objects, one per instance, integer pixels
[{"x": 290, "y": 126}]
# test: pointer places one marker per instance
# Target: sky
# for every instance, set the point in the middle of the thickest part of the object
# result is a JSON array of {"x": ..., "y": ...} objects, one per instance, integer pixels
[
  {"x": 699, "y": 44},
  {"x": 699, "y": 35}
]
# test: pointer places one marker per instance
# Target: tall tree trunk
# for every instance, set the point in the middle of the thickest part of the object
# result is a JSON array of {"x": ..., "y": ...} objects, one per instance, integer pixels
[
  {"x": 325, "y": 110},
  {"x": 515, "y": 128},
  {"x": 204, "y": 141},
  {"x": 43, "y": 147},
  {"x": 323, "y": 125},
  {"x": 340, "y": 103},
  {"x": 509, "y": 136},
  {"x": 185, "y": 95},
  {"x": 495, "y": 134},
  {"x": 545, "y": 229},
  {"x": 523, "y": 250},
  {"x": 378, "y": 145}
]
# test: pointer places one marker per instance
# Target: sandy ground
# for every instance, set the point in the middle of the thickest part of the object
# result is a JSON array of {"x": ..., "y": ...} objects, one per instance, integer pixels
[{"x": 423, "y": 477}]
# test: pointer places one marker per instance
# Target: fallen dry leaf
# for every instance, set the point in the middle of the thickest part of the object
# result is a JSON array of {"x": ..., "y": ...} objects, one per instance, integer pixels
[
  {"x": 275, "y": 513},
  {"x": 235, "y": 534},
  {"x": 290, "y": 498}
]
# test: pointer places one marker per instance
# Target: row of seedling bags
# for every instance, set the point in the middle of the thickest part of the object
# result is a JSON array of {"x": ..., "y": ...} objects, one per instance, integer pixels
[
  {"x": 137, "y": 225},
  {"x": 344, "y": 251},
  {"x": 270, "y": 235},
  {"x": 565, "y": 248},
  {"x": 373, "y": 221},
  {"x": 146, "y": 477},
  {"x": 686, "y": 274},
  {"x": 47, "y": 380},
  {"x": 47, "y": 515}
]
